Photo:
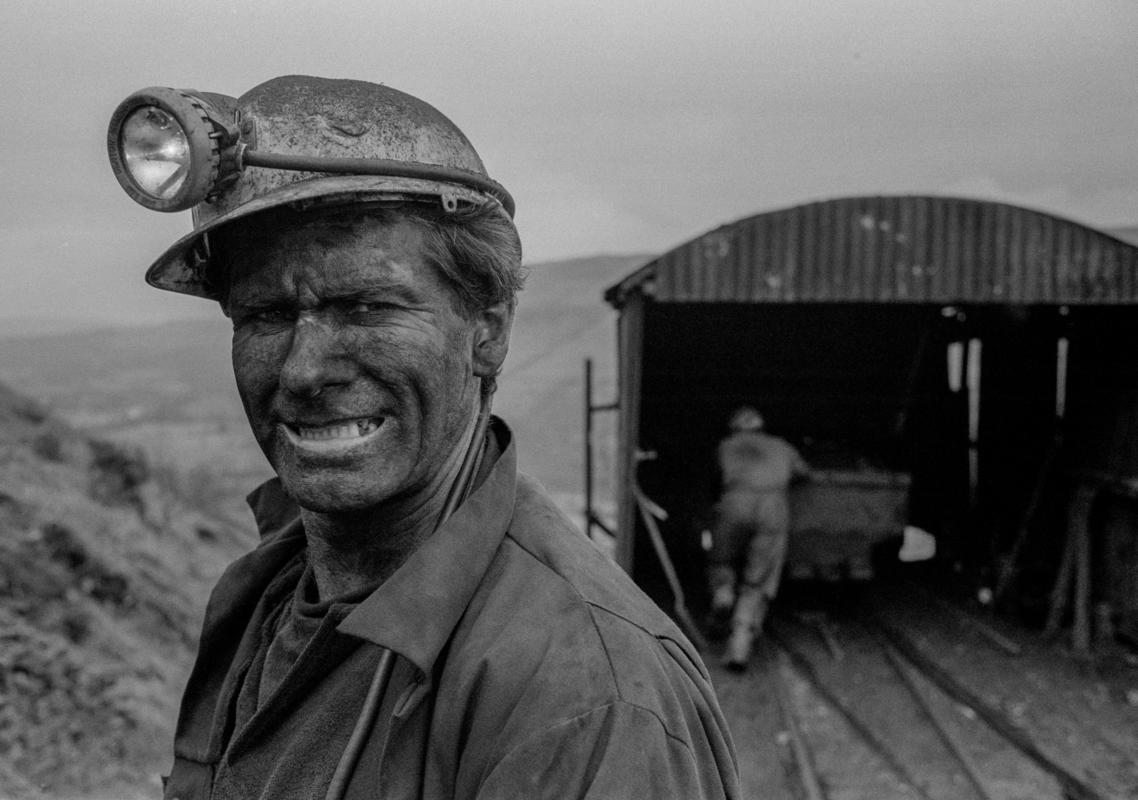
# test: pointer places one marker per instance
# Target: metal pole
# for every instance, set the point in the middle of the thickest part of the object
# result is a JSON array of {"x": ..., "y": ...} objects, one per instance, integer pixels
[
  {"x": 974, "y": 377},
  {"x": 648, "y": 512},
  {"x": 589, "y": 448}
]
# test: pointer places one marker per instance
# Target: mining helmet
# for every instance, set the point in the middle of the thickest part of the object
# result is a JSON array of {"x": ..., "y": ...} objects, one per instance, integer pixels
[
  {"x": 746, "y": 418},
  {"x": 295, "y": 141}
]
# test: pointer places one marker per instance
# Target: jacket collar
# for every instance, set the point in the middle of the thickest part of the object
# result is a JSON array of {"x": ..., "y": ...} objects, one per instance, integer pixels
[
  {"x": 272, "y": 508},
  {"x": 415, "y": 610}
]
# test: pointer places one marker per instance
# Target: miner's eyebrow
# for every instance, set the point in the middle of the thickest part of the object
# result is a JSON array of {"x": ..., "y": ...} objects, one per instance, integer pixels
[
  {"x": 260, "y": 300},
  {"x": 393, "y": 294},
  {"x": 378, "y": 291}
]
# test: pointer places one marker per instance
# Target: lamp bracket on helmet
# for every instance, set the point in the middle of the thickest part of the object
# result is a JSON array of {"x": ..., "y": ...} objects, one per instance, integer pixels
[{"x": 172, "y": 149}]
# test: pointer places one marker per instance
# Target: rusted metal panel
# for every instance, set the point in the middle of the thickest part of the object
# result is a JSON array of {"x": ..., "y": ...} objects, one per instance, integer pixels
[{"x": 899, "y": 249}]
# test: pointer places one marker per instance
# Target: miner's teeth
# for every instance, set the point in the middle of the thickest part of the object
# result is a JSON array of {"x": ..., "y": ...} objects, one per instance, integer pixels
[{"x": 347, "y": 430}]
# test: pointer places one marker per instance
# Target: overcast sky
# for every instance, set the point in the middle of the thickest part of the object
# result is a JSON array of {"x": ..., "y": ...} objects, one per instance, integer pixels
[{"x": 619, "y": 127}]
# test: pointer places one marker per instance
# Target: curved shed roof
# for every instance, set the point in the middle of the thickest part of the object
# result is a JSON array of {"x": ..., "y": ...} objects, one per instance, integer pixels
[{"x": 898, "y": 249}]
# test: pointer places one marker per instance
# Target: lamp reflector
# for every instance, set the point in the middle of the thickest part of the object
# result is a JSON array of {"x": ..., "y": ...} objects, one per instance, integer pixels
[
  {"x": 163, "y": 145},
  {"x": 155, "y": 151}
]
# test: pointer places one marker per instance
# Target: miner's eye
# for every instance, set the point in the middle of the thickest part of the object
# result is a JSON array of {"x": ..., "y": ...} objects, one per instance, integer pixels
[
  {"x": 263, "y": 316},
  {"x": 368, "y": 308},
  {"x": 273, "y": 316}
]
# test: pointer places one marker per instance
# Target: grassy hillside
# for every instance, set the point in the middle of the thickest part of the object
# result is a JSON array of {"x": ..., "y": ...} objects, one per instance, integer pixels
[
  {"x": 167, "y": 390},
  {"x": 104, "y": 573}
]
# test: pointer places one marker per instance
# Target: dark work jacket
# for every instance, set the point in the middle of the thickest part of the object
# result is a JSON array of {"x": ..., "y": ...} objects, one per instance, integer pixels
[{"x": 527, "y": 666}]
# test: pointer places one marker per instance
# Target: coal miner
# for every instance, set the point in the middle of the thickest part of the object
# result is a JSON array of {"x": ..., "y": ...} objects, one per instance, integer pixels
[
  {"x": 418, "y": 619},
  {"x": 751, "y": 528}
]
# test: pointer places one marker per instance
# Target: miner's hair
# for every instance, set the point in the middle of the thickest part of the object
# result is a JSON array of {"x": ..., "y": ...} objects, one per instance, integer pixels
[{"x": 476, "y": 249}]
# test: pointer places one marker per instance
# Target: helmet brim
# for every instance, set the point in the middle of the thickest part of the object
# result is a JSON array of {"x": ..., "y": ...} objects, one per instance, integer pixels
[{"x": 182, "y": 267}]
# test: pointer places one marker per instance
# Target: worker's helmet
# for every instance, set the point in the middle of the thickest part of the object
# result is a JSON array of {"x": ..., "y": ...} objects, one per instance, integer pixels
[
  {"x": 746, "y": 418},
  {"x": 293, "y": 141}
]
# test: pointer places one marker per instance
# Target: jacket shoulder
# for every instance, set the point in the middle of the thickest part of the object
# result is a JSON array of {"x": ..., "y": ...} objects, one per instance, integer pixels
[
  {"x": 559, "y": 548},
  {"x": 561, "y": 607}
]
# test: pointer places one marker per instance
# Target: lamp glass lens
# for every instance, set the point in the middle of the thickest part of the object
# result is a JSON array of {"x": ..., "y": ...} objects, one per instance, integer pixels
[{"x": 156, "y": 151}]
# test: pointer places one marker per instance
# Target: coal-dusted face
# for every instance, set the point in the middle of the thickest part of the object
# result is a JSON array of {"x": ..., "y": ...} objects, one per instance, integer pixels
[{"x": 357, "y": 370}]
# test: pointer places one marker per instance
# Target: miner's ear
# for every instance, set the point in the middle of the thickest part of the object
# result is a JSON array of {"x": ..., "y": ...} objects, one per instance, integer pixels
[{"x": 492, "y": 338}]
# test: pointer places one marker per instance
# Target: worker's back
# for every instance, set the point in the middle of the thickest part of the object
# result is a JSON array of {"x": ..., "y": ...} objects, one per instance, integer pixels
[{"x": 756, "y": 461}]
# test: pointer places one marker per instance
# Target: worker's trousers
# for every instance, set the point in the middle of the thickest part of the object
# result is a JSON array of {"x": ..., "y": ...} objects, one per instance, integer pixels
[{"x": 748, "y": 552}]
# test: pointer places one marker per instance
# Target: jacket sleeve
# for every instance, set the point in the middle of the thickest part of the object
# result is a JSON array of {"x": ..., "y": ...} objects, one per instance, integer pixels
[{"x": 616, "y": 751}]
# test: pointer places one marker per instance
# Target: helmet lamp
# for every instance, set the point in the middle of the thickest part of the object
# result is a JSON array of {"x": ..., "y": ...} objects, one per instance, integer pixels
[
  {"x": 165, "y": 147},
  {"x": 172, "y": 149},
  {"x": 294, "y": 141}
]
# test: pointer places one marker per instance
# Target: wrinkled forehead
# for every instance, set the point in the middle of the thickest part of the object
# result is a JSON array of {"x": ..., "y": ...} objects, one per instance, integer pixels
[
  {"x": 341, "y": 227},
  {"x": 351, "y": 239},
  {"x": 328, "y": 257}
]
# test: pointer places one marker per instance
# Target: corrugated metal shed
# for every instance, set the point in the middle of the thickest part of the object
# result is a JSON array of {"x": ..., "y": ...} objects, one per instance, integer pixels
[{"x": 903, "y": 249}]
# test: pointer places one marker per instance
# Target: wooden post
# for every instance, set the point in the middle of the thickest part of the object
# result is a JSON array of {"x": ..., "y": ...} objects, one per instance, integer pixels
[
  {"x": 1079, "y": 530},
  {"x": 1059, "y": 591},
  {"x": 1075, "y": 568},
  {"x": 1008, "y": 569}
]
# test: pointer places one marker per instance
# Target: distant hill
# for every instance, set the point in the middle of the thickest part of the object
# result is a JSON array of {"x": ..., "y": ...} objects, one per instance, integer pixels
[
  {"x": 562, "y": 320},
  {"x": 107, "y": 376},
  {"x": 104, "y": 573},
  {"x": 1127, "y": 234}
]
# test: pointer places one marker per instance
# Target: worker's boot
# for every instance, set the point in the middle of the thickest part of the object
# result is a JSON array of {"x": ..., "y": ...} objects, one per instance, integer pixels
[
  {"x": 722, "y": 580},
  {"x": 750, "y": 609},
  {"x": 739, "y": 648}
]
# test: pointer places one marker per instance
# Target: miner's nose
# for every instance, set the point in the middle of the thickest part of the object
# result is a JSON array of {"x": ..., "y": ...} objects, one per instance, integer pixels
[{"x": 316, "y": 359}]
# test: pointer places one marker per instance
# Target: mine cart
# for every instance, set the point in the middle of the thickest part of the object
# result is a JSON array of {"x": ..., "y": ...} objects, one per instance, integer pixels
[{"x": 841, "y": 517}]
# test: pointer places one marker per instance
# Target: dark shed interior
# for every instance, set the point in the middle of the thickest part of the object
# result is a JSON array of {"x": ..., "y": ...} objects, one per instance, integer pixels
[
  {"x": 879, "y": 379},
  {"x": 848, "y": 382}
]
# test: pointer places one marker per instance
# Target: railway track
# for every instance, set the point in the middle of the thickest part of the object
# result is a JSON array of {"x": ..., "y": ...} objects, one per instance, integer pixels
[{"x": 865, "y": 713}]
